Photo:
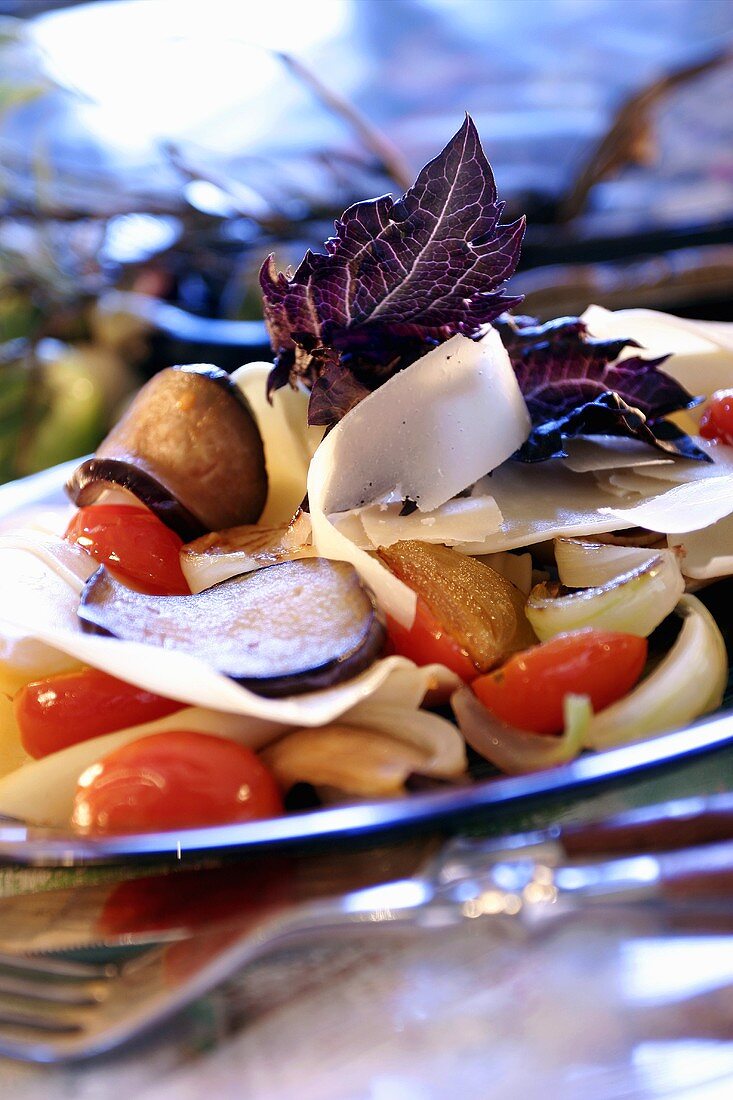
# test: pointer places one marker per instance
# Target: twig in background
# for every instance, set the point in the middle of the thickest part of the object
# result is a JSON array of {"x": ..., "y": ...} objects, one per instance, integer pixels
[
  {"x": 629, "y": 140},
  {"x": 388, "y": 155}
]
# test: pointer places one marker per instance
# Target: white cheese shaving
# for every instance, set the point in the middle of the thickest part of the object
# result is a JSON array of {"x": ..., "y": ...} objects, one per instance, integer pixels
[
  {"x": 466, "y": 519},
  {"x": 329, "y": 539},
  {"x": 542, "y": 501},
  {"x": 607, "y": 452},
  {"x": 288, "y": 441},
  {"x": 708, "y": 553},
  {"x": 40, "y": 580},
  {"x": 688, "y": 507},
  {"x": 686, "y": 469},
  {"x": 430, "y": 431}
]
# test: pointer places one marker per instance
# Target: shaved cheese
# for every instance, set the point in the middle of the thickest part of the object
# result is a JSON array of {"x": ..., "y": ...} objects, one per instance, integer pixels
[
  {"x": 67, "y": 560},
  {"x": 41, "y": 577},
  {"x": 394, "y": 597},
  {"x": 542, "y": 501},
  {"x": 701, "y": 356},
  {"x": 431, "y": 430},
  {"x": 708, "y": 553},
  {"x": 288, "y": 441},
  {"x": 682, "y": 469},
  {"x": 466, "y": 519},
  {"x": 625, "y": 484},
  {"x": 609, "y": 452},
  {"x": 688, "y": 507}
]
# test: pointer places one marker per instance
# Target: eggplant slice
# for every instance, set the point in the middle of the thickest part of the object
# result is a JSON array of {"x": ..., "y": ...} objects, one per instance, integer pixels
[
  {"x": 189, "y": 448},
  {"x": 282, "y": 630}
]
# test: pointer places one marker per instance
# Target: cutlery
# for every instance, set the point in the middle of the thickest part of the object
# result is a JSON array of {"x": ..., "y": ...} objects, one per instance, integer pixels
[{"x": 56, "y": 1009}]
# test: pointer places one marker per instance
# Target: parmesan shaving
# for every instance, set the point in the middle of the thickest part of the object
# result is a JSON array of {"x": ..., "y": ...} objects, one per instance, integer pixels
[
  {"x": 688, "y": 507},
  {"x": 543, "y": 501},
  {"x": 431, "y": 430},
  {"x": 463, "y": 520},
  {"x": 288, "y": 441},
  {"x": 708, "y": 553}
]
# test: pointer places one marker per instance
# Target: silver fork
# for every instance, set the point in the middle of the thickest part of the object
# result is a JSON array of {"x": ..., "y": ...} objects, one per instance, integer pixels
[{"x": 54, "y": 1009}]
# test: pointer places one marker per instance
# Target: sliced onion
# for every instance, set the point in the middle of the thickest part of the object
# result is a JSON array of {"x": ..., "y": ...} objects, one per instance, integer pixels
[
  {"x": 688, "y": 683},
  {"x": 585, "y": 564},
  {"x": 221, "y": 555},
  {"x": 517, "y": 751},
  {"x": 634, "y": 603},
  {"x": 351, "y": 761},
  {"x": 373, "y": 758},
  {"x": 439, "y": 742}
]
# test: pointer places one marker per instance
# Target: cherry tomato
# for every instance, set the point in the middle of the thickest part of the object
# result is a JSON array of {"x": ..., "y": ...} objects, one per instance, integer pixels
[
  {"x": 716, "y": 421},
  {"x": 427, "y": 643},
  {"x": 174, "y": 780},
  {"x": 75, "y": 706},
  {"x": 528, "y": 691},
  {"x": 135, "y": 544}
]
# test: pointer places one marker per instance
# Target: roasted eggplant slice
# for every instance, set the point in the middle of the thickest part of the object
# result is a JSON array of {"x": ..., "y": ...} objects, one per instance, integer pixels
[
  {"x": 282, "y": 630},
  {"x": 189, "y": 448}
]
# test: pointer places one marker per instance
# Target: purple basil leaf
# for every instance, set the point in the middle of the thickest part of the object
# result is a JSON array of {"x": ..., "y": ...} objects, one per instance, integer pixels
[
  {"x": 399, "y": 275},
  {"x": 560, "y": 368},
  {"x": 607, "y": 414}
]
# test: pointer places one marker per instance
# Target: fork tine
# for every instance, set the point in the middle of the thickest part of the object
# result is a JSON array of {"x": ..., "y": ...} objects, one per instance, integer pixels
[
  {"x": 48, "y": 967},
  {"x": 20, "y": 1021},
  {"x": 55, "y": 991}
]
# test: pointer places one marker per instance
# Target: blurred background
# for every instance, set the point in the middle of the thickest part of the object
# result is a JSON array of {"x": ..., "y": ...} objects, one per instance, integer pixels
[{"x": 152, "y": 152}]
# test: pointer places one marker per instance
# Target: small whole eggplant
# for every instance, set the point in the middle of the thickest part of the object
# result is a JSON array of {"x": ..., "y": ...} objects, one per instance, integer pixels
[{"x": 189, "y": 448}]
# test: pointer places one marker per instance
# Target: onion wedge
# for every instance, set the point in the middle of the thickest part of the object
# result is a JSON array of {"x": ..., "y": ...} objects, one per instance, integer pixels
[
  {"x": 582, "y": 563},
  {"x": 371, "y": 757},
  {"x": 634, "y": 602},
  {"x": 689, "y": 682},
  {"x": 516, "y": 751}
]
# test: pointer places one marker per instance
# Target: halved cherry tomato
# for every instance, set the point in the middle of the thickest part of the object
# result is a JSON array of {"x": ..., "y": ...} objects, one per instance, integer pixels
[
  {"x": 74, "y": 706},
  {"x": 134, "y": 543},
  {"x": 174, "y": 780},
  {"x": 427, "y": 643},
  {"x": 716, "y": 421},
  {"x": 528, "y": 691}
]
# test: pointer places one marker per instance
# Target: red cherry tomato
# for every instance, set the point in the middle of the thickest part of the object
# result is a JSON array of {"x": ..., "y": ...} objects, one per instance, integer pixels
[
  {"x": 135, "y": 544},
  {"x": 427, "y": 643},
  {"x": 528, "y": 691},
  {"x": 75, "y": 706},
  {"x": 716, "y": 421},
  {"x": 174, "y": 780}
]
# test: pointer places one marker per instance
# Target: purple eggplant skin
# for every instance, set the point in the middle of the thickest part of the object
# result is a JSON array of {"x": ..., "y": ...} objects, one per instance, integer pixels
[
  {"x": 189, "y": 448},
  {"x": 96, "y": 474},
  {"x": 282, "y": 630}
]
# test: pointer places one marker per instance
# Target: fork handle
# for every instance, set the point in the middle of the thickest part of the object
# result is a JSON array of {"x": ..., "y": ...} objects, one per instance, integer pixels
[
  {"x": 669, "y": 825},
  {"x": 697, "y": 874}
]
